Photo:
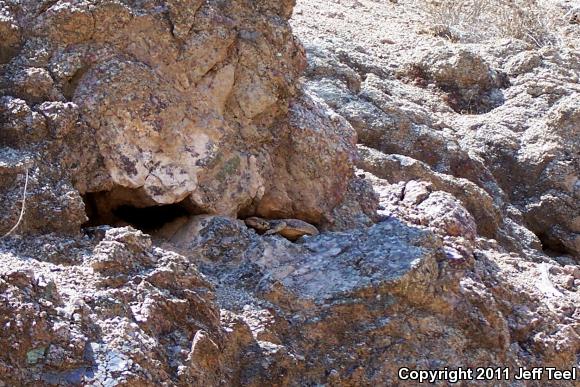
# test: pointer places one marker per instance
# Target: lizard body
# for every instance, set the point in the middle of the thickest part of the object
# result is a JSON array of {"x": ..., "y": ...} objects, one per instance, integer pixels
[{"x": 291, "y": 229}]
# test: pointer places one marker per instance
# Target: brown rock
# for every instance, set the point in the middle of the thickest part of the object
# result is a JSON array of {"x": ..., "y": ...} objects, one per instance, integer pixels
[{"x": 185, "y": 102}]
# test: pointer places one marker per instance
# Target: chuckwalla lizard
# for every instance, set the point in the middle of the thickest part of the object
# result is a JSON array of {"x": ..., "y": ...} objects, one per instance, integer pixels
[{"x": 291, "y": 229}]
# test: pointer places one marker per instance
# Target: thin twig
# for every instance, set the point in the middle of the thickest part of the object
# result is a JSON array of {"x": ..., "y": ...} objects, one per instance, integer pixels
[{"x": 21, "y": 210}]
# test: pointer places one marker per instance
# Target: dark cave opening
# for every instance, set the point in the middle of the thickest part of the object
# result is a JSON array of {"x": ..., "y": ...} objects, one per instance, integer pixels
[
  {"x": 150, "y": 219},
  {"x": 102, "y": 210},
  {"x": 552, "y": 246}
]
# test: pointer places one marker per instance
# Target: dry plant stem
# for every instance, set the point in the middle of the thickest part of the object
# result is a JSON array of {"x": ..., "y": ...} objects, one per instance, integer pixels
[{"x": 21, "y": 210}]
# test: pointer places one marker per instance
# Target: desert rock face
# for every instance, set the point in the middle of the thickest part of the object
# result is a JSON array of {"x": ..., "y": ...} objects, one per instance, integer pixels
[
  {"x": 150, "y": 103},
  {"x": 499, "y": 115},
  {"x": 440, "y": 169}
]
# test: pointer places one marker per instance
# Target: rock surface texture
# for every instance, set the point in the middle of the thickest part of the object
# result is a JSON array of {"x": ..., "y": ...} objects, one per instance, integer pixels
[
  {"x": 143, "y": 103},
  {"x": 193, "y": 196},
  {"x": 501, "y": 114}
]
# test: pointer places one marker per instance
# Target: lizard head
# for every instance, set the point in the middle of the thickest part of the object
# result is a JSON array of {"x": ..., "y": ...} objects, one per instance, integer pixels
[{"x": 257, "y": 223}]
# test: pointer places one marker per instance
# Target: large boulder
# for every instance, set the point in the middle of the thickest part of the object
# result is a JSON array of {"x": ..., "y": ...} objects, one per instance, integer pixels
[
  {"x": 160, "y": 102},
  {"x": 353, "y": 307}
]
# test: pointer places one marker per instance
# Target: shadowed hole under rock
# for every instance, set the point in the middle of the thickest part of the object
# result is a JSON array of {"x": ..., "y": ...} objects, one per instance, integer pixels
[{"x": 146, "y": 218}]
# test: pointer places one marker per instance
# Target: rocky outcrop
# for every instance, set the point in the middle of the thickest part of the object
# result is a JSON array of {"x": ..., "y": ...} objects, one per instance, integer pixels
[
  {"x": 410, "y": 176},
  {"x": 126, "y": 314},
  {"x": 344, "y": 308},
  {"x": 95, "y": 321},
  {"x": 469, "y": 84},
  {"x": 500, "y": 116},
  {"x": 533, "y": 153},
  {"x": 180, "y": 207},
  {"x": 353, "y": 307},
  {"x": 162, "y": 102}
]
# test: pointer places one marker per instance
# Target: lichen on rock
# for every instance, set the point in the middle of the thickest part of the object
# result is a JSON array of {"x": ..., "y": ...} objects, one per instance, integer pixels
[
  {"x": 193, "y": 198},
  {"x": 171, "y": 102}
]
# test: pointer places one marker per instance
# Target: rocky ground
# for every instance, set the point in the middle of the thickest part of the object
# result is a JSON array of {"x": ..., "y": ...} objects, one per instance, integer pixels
[{"x": 437, "y": 152}]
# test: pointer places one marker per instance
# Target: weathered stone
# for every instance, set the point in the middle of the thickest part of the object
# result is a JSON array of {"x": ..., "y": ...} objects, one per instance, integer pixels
[
  {"x": 188, "y": 102},
  {"x": 159, "y": 110}
]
